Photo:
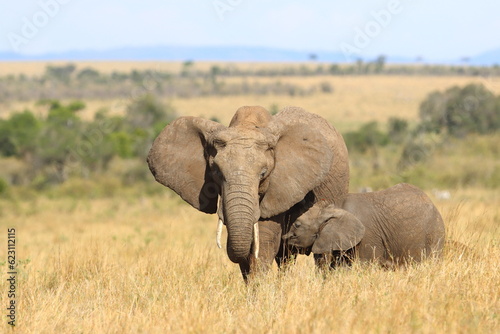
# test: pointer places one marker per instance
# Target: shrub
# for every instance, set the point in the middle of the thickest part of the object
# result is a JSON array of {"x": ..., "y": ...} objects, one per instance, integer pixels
[
  {"x": 88, "y": 74},
  {"x": 368, "y": 136},
  {"x": 147, "y": 110},
  {"x": 274, "y": 109},
  {"x": 459, "y": 111},
  {"x": 418, "y": 149},
  {"x": 60, "y": 73},
  {"x": 397, "y": 129},
  {"x": 122, "y": 144},
  {"x": 326, "y": 87},
  {"x": 18, "y": 134},
  {"x": 4, "y": 186},
  {"x": 76, "y": 106}
]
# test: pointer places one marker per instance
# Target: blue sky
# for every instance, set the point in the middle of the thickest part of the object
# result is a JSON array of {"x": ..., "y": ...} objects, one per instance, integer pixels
[{"x": 433, "y": 29}]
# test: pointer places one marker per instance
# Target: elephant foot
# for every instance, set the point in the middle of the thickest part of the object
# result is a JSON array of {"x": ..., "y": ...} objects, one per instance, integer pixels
[
  {"x": 245, "y": 270},
  {"x": 254, "y": 267}
]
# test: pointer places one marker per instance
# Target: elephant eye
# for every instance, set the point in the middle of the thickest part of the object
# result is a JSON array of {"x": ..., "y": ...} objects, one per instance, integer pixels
[
  {"x": 296, "y": 224},
  {"x": 263, "y": 173},
  {"x": 219, "y": 143}
]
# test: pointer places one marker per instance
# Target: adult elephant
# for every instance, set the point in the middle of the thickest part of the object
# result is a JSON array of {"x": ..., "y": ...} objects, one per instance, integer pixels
[{"x": 259, "y": 174}]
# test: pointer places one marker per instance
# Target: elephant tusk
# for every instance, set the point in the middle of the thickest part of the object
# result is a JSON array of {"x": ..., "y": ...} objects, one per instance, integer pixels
[
  {"x": 219, "y": 233},
  {"x": 256, "y": 240}
]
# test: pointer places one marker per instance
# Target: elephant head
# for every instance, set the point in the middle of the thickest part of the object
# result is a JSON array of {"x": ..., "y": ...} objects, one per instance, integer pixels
[
  {"x": 326, "y": 229},
  {"x": 257, "y": 167}
]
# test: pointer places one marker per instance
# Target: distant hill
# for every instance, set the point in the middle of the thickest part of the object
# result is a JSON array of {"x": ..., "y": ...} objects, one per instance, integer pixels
[
  {"x": 487, "y": 58},
  {"x": 226, "y": 53},
  {"x": 229, "y": 53}
]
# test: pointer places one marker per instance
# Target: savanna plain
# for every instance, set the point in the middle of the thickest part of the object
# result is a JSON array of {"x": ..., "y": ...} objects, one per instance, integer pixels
[{"x": 138, "y": 259}]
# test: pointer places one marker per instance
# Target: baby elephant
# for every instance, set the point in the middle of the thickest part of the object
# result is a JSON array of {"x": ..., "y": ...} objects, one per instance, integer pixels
[{"x": 393, "y": 226}]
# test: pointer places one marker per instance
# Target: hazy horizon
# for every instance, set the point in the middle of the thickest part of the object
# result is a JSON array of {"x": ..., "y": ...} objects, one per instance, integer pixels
[{"x": 401, "y": 28}]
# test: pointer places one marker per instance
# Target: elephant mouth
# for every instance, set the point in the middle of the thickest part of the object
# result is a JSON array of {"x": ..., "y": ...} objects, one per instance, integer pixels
[
  {"x": 291, "y": 239},
  {"x": 300, "y": 249},
  {"x": 294, "y": 240}
]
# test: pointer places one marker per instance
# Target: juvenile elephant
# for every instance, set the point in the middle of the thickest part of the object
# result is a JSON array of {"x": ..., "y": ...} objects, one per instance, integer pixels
[
  {"x": 392, "y": 226},
  {"x": 258, "y": 174}
]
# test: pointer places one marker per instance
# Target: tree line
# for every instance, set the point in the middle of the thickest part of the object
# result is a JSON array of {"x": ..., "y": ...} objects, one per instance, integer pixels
[{"x": 68, "y": 81}]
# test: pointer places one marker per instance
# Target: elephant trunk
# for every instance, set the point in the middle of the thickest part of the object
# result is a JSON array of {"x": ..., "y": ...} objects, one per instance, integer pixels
[{"x": 241, "y": 212}]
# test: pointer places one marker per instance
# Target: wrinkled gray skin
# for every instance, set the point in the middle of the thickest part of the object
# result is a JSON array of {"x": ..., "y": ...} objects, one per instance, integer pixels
[
  {"x": 262, "y": 168},
  {"x": 393, "y": 226}
]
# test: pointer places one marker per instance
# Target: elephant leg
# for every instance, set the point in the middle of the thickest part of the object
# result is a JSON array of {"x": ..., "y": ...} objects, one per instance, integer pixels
[
  {"x": 286, "y": 254},
  {"x": 323, "y": 261},
  {"x": 270, "y": 239},
  {"x": 269, "y": 242},
  {"x": 245, "y": 270},
  {"x": 334, "y": 259},
  {"x": 342, "y": 258}
]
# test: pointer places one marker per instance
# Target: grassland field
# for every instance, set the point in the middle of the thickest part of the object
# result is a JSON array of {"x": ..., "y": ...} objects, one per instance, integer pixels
[{"x": 138, "y": 263}]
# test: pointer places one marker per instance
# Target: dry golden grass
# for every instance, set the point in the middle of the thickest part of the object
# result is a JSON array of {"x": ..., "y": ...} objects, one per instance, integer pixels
[{"x": 150, "y": 265}]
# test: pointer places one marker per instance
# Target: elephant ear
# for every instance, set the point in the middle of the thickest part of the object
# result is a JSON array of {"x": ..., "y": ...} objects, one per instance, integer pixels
[
  {"x": 340, "y": 230},
  {"x": 177, "y": 160},
  {"x": 302, "y": 160}
]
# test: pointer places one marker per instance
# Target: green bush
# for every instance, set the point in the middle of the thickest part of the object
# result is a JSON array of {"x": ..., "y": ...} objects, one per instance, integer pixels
[
  {"x": 368, "y": 136},
  {"x": 76, "y": 106},
  {"x": 418, "y": 149},
  {"x": 122, "y": 144},
  {"x": 60, "y": 73},
  {"x": 397, "y": 129},
  {"x": 460, "y": 111},
  {"x": 146, "y": 111},
  {"x": 494, "y": 180},
  {"x": 274, "y": 109},
  {"x": 18, "y": 134},
  {"x": 4, "y": 186}
]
